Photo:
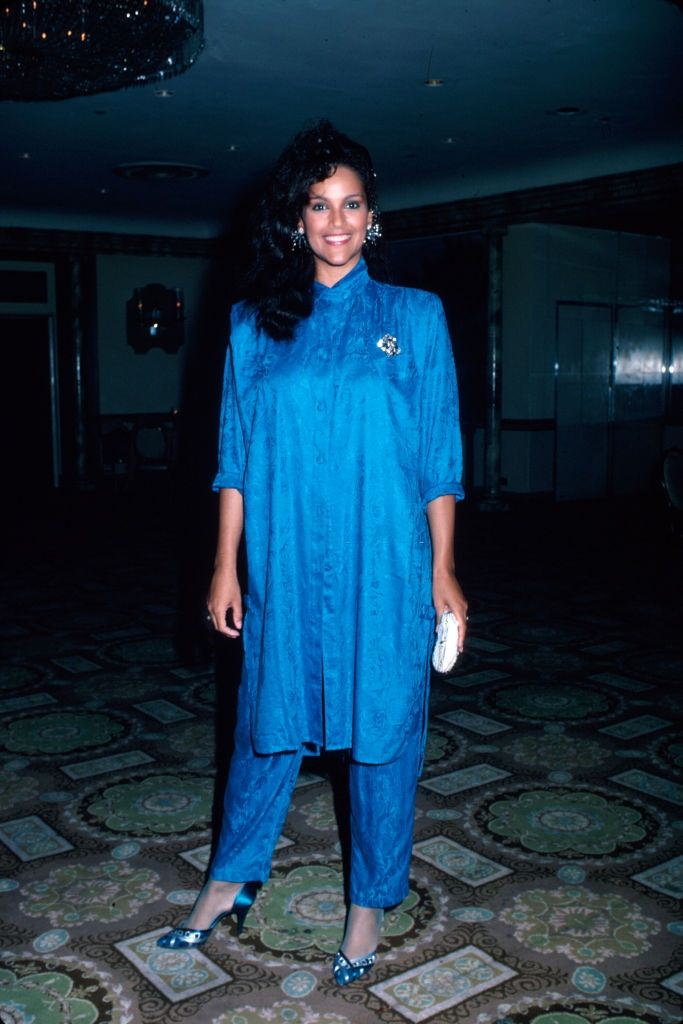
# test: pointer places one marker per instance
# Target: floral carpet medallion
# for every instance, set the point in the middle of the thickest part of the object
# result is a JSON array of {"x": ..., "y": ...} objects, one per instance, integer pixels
[
  {"x": 559, "y": 750},
  {"x": 148, "y": 651},
  {"x": 133, "y": 689},
  {"x": 562, "y": 701},
  {"x": 51, "y": 992},
  {"x": 193, "y": 738},
  {"x": 58, "y": 732},
  {"x": 549, "y": 662},
  {"x": 573, "y": 823},
  {"x": 303, "y": 911},
  {"x": 319, "y": 812},
  {"x": 15, "y": 789},
  {"x": 156, "y": 805},
  {"x": 76, "y": 893},
  {"x": 581, "y": 1012},
  {"x": 202, "y": 693},
  {"x": 670, "y": 750},
  {"x": 584, "y": 926},
  {"x": 440, "y": 746}
]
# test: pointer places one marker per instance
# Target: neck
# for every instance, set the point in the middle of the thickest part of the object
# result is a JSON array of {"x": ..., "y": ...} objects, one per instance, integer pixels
[{"x": 329, "y": 276}]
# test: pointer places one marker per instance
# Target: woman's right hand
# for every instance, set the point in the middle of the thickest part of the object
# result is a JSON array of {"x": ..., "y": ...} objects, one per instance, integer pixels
[{"x": 224, "y": 602}]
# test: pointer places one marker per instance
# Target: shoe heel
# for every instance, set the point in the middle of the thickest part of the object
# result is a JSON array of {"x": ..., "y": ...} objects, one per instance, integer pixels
[{"x": 243, "y": 903}]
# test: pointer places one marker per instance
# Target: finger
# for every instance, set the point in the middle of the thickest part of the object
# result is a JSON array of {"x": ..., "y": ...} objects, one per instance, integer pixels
[
  {"x": 232, "y": 619},
  {"x": 439, "y": 607},
  {"x": 462, "y": 630},
  {"x": 226, "y": 630},
  {"x": 220, "y": 623}
]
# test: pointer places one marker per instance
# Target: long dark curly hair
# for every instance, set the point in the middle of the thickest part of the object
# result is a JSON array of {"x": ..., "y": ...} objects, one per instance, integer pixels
[{"x": 279, "y": 277}]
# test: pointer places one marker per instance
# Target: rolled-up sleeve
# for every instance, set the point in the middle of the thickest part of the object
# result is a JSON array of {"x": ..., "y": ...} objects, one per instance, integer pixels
[
  {"x": 440, "y": 442},
  {"x": 231, "y": 446}
]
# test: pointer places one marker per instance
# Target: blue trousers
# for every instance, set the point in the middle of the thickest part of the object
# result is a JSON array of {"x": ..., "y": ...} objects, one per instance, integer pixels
[{"x": 382, "y": 802}]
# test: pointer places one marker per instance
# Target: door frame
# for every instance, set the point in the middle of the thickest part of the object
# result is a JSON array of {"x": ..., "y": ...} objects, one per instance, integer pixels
[
  {"x": 46, "y": 310},
  {"x": 609, "y": 481}
]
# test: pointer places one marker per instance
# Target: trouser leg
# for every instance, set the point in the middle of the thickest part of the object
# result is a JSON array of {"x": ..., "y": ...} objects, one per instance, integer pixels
[
  {"x": 257, "y": 797},
  {"x": 382, "y": 816}
]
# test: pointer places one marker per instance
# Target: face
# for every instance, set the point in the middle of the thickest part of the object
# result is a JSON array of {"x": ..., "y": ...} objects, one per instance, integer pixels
[{"x": 335, "y": 220}]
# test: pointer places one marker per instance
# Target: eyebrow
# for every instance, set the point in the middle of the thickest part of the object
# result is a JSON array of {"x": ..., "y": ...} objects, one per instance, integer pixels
[{"x": 321, "y": 195}]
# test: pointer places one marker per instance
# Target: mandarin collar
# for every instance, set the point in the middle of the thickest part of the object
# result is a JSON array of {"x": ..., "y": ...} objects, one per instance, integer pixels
[{"x": 345, "y": 286}]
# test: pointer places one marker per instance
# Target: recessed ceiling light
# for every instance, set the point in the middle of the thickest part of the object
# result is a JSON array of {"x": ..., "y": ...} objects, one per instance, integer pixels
[
  {"x": 434, "y": 83},
  {"x": 105, "y": 191},
  {"x": 164, "y": 94},
  {"x": 449, "y": 140},
  {"x": 232, "y": 148},
  {"x": 568, "y": 111},
  {"x": 159, "y": 171},
  {"x": 25, "y": 156}
]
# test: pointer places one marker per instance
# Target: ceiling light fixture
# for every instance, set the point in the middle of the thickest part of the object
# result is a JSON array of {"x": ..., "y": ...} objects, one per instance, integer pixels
[
  {"x": 429, "y": 80},
  {"x": 160, "y": 171},
  {"x": 164, "y": 94},
  {"x": 51, "y": 50},
  {"x": 567, "y": 111}
]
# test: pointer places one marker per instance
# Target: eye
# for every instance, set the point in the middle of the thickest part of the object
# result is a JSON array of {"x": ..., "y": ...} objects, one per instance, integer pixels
[
  {"x": 317, "y": 206},
  {"x": 353, "y": 204}
]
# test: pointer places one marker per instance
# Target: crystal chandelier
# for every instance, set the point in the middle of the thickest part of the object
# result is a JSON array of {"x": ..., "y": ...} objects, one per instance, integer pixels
[{"x": 54, "y": 49}]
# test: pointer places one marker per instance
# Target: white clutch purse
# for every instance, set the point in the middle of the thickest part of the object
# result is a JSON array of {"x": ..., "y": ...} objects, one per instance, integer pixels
[{"x": 445, "y": 653}]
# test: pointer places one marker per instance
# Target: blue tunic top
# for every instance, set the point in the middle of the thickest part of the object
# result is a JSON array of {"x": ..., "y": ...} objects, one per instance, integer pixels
[{"x": 337, "y": 446}]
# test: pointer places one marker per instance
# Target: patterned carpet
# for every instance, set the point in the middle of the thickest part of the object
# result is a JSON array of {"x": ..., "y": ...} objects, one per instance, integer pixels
[{"x": 547, "y": 863}]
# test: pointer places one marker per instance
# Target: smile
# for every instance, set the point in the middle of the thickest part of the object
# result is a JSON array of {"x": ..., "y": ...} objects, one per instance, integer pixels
[{"x": 337, "y": 239}]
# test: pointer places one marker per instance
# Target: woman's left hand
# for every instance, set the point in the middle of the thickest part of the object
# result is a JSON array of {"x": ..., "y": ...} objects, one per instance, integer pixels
[{"x": 447, "y": 594}]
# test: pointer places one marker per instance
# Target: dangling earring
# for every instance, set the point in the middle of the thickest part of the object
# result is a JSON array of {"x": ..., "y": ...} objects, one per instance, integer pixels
[
  {"x": 374, "y": 231},
  {"x": 298, "y": 237}
]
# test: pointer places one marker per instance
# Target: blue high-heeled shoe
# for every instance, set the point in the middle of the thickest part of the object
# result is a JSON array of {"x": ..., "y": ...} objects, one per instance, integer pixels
[
  {"x": 184, "y": 938},
  {"x": 345, "y": 971}
]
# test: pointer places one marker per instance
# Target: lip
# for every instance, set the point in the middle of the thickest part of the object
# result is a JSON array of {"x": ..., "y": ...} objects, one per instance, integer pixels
[{"x": 337, "y": 239}]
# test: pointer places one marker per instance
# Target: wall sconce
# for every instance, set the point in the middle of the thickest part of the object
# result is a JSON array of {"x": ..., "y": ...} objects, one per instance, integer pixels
[{"x": 155, "y": 318}]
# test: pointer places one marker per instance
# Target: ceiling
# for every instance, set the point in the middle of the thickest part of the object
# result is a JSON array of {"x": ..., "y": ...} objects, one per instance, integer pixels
[{"x": 270, "y": 66}]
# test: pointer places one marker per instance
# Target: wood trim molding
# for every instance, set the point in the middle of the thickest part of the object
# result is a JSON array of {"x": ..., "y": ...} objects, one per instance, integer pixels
[
  {"x": 491, "y": 213},
  {"x": 77, "y": 243}
]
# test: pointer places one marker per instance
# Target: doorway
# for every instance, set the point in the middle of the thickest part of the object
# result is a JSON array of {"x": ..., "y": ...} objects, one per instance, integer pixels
[
  {"x": 584, "y": 336},
  {"x": 612, "y": 367},
  {"x": 29, "y": 402}
]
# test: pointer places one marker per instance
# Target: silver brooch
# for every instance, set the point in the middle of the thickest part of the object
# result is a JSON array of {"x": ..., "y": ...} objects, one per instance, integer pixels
[{"x": 389, "y": 345}]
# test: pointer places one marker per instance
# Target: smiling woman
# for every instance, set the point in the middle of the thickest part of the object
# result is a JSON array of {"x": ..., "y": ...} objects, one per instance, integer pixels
[
  {"x": 335, "y": 222},
  {"x": 340, "y": 457}
]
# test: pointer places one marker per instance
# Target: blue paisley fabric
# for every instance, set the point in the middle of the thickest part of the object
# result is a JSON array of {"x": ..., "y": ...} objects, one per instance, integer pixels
[{"x": 338, "y": 444}]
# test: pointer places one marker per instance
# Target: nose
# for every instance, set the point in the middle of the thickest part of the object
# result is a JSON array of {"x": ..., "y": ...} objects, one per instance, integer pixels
[{"x": 337, "y": 217}]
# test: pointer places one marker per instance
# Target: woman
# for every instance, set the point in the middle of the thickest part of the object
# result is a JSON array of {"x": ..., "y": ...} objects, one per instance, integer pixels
[{"x": 340, "y": 456}]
